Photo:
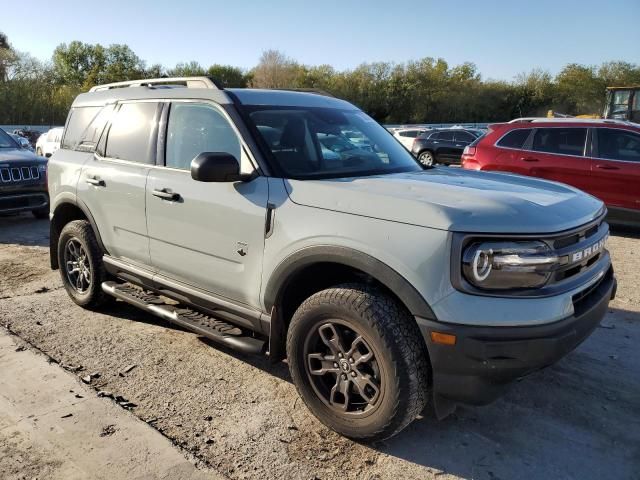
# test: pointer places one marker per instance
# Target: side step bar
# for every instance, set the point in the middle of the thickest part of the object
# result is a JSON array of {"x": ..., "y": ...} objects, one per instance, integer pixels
[{"x": 200, "y": 323}]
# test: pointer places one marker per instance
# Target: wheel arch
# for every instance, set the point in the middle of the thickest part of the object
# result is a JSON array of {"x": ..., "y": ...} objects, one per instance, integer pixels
[
  {"x": 65, "y": 212},
  {"x": 312, "y": 269}
]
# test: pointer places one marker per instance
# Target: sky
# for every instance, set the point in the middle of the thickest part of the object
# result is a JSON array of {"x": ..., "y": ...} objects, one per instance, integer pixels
[{"x": 503, "y": 38}]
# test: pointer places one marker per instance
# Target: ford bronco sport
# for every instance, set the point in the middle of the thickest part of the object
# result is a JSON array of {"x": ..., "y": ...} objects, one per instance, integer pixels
[{"x": 385, "y": 284}]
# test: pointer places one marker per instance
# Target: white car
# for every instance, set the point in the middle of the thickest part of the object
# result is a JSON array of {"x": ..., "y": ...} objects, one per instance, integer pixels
[
  {"x": 49, "y": 142},
  {"x": 406, "y": 136}
]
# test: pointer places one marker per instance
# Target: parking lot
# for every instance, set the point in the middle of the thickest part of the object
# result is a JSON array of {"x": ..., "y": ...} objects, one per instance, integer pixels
[{"x": 242, "y": 417}]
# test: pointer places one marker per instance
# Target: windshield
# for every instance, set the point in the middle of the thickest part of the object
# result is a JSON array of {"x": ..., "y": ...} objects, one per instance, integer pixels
[
  {"x": 316, "y": 142},
  {"x": 6, "y": 141}
]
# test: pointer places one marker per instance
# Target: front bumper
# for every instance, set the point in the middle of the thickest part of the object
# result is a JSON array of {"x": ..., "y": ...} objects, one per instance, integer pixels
[
  {"x": 484, "y": 360},
  {"x": 20, "y": 202}
]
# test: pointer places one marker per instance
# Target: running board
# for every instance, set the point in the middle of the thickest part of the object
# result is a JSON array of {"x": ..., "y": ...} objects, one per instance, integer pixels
[{"x": 200, "y": 323}]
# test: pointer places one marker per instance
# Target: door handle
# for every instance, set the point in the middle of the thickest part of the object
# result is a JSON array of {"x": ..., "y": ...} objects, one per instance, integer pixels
[
  {"x": 96, "y": 182},
  {"x": 607, "y": 167},
  {"x": 165, "y": 194},
  {"x": 529, "y": 159}
]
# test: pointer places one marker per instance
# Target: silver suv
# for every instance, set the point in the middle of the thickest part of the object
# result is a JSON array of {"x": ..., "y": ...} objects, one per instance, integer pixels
[{"x": 292, "y": 224}]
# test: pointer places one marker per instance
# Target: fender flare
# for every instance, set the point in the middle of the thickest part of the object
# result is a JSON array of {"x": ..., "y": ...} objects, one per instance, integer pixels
[
  {"x": 386, "y": 275},
  {"x": 53, "y": 235}
]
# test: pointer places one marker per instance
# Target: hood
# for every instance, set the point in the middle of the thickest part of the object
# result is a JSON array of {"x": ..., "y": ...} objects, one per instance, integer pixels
[
  {"x": 14, "y": 156},
  {"x": 454, "y": 199}
]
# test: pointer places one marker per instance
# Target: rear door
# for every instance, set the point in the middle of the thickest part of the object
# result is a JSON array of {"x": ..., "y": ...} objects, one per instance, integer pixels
[
  {"x": 461, "y": 140},
  {"x": 445, "y": 147},
  {"x": 559, "y": 153},
  {"x": 112, "y": 182},
  {"x": 616, "y": 167}
]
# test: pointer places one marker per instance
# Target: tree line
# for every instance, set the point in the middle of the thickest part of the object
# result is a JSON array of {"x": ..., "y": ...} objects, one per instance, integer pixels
[{"x": 428, "y": 90}]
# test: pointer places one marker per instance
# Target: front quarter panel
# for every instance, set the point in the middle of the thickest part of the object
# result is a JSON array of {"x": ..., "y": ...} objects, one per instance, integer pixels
[{"x": 419, "y": 255}]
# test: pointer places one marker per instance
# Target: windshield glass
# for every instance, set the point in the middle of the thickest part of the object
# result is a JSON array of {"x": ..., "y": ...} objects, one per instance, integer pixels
[
  {"x": 317, "y": 142},
  {"x": 6, "y": 141}
]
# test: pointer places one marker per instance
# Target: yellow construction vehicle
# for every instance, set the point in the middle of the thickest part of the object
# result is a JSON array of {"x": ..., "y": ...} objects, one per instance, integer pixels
[{"x": 623, "y": 103}]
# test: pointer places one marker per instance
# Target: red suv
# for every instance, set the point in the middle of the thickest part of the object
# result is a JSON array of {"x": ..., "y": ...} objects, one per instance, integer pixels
[{"x": 601, "y": 157}]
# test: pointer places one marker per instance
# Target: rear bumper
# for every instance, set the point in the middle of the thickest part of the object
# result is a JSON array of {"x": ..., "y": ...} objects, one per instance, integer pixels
[{"x": 484, "y": 360}]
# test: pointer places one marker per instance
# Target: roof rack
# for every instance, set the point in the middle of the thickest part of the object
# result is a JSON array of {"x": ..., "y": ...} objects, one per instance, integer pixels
[
  {"x": 188, "y": 82},
  {"x": 317, "y": 91},
  {"x": 568, "y": 119}
]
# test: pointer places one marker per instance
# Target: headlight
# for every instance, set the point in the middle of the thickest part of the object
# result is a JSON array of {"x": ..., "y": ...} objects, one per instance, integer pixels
[{"x": 508, "y": 265}]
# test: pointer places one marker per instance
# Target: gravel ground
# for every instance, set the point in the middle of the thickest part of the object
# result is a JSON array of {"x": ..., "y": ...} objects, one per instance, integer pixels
[{"x": 242, "y": 417}]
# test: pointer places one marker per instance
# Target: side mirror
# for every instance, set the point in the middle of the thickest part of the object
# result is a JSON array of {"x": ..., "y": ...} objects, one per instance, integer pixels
[{"x": 216, "y": 167}]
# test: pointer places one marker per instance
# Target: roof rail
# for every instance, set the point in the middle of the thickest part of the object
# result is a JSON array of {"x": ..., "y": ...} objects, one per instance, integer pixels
[
  {"x": 317, "y": 91},
  {"x": 568, "y": 119},
  {"x": 189, "y": 82}
]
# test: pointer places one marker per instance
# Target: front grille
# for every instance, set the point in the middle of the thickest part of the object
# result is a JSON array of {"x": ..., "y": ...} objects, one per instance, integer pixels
[
  {"x": 579, "y": 249},
  {"x": 19, "y": 174}
]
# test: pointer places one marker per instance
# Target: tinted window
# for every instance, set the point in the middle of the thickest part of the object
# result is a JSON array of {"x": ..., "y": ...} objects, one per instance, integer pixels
[
  {"x": 79, "y": 119},
  {"x": 321, "y": 142},
  {"x": 464, "y": 137},
  {"x": 434, "y": 136},
  {"x": 561, "y": 141},
  {"x": 6, "y": 141},
  {"x": 515, "y": 138},
  {"x": 130, "y": 133},
  {"x": 446, "y": 136},
  {"x": 410, "y": 133},
  {"x": 195, "y": 128},
  {"x": 93, "y": 132},
  {"x": 618, "y": 145}
]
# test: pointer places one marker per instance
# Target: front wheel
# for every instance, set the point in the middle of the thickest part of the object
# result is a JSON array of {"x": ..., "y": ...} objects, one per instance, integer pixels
[
  {"x": 358, "y": 361},
  {"x": 81, "y": 267},
  {"x": 427, "y": 159}
]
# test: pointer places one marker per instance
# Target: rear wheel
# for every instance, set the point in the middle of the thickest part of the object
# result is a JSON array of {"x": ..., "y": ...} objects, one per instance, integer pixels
[
  {"x": 358, "y": 361},
  {"x": 427, "y": 158},
  {"x": 81, "y": 267}
]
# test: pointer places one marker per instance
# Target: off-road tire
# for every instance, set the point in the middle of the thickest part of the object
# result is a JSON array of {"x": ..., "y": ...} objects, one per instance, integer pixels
[
  {"x": 41, "y": 213},
  {"x": 93, "y": 297},
  {"x": 427, "y": 158},
  {"x": 399, "y": 350}
]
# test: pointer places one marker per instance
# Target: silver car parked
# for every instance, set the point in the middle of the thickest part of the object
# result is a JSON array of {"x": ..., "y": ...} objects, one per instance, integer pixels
[{"x": 293, "y": 224}]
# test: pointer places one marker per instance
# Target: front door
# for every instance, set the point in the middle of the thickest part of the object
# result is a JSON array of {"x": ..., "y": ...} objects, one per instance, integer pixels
[{"x": 209, "y": 235}]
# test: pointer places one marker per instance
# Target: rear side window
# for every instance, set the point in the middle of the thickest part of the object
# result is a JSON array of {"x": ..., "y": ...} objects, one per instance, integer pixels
[
  {"x": 409, "y": 133},
  {"x": 464, "y": 137},
  {"x": 79, "y": 120},
  {"x": 561, "y": 141},
  {"x": 94, "y": 130},
  {"x": 129, "y": 137},
  {"x": 515, "y": 138},
  {"x": 447, "y": 136},
  {"x": 618, "y": 145}
]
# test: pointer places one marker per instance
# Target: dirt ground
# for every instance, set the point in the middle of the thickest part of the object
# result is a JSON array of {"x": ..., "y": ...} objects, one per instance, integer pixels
[{"x": 241, "y": 416}]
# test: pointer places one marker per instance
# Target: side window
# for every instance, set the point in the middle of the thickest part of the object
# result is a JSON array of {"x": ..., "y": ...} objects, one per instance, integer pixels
[
  {"x": 464, "y": 137},
  {"x": 195, "y": 128},
  {"x": 618, "y": 145},
  {"x": 515, "y": 138},
  {"x": 129, "y": 137},
  {"x": 446, "y": 136},
  {"x": 409, "y": 133},
  {"x": 561, "y": 141},
  {"x": 434, "y": 136},
  {"x": 79, "y": 119},
  {"x": 93, "y": 132}
]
